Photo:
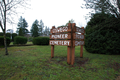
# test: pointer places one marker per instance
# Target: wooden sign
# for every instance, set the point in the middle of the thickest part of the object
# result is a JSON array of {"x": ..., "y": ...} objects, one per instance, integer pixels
[
  {"x": 80, "y": 30},
  {"x": 60, "y": 36},
  {"x": 78, "y": 43},
  {"x": 61, "y": 29},
  {"x": 60, "y": 42},
  {"x": 78, "y": 36}
]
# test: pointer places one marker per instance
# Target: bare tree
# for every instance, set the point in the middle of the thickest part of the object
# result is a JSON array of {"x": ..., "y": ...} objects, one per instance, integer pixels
[
  {"x": 8, "y": 8},
  {"x": 107, "y": 6}
]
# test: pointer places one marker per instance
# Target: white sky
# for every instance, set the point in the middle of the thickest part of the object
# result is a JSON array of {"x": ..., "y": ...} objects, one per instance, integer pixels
[{"x": 52, "y": 13}]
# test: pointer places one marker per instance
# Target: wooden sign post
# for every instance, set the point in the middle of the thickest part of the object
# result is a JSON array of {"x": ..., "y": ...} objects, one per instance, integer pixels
[{"x": 67, "y": 36}]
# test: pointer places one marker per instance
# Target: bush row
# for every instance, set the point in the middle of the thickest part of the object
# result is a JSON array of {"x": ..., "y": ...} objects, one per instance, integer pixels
[
  {"x": 20, "y": 40},
  {"x": 9, "y": 35},
  {"x": 23, "y": 40},
  {"x": 41, "y": 41},
  {"x": 8, "y": 40}
]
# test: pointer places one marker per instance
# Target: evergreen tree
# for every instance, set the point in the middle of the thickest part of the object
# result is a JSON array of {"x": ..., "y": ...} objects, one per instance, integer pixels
[
  {"x": 23, "y": 25},
  {"x": 35, "y": 29},
  {"x": 103, "y": 34},
  {"x": 19, "y": 24},
  {"x": 48, "y": 31},
  {"x": 45, "y": 31},
  {"x": 70, "y": 21},
  {"x": 41, "y": 27},
  {"x": 20, "y": 32}
]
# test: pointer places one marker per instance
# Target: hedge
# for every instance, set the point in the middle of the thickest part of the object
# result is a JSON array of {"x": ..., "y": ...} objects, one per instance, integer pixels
[
  {"x": 8, "y": 40},
  {"x": 8, "y": 35},
  {"x": 41, "y": 41},
  {"x": 20, "y": 40},
  {"x": 1, "y": 33}
]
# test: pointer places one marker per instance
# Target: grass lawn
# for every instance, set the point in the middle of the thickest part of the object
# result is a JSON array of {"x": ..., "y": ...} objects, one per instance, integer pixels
[{"x": 34, "y": 63}]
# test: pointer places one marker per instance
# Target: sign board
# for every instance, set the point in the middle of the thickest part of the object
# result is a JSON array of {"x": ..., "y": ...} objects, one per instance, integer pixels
[
  {"x": 78, "y": 43},
  {"x": 61, "y": 29},
  {"x": 80, "y": 30},
  {"x": 60, "y": 36},
  {"x": 78, "y": 36},
  {"x": 60, "y": 42}
]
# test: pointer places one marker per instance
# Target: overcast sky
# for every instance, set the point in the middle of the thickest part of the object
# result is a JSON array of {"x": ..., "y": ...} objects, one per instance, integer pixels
[{"x": 52, "y": 13}]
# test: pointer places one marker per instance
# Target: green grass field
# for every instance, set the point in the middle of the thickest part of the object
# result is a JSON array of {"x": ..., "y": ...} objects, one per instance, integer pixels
[{"x": 35, "y": 63}]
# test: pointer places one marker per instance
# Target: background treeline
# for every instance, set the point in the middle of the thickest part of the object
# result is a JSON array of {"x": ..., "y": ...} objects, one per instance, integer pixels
[{"x": 37, "y": 28}]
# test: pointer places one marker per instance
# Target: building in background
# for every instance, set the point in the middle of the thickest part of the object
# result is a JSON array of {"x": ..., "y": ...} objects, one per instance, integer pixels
[{"x": 28, "y": 35}]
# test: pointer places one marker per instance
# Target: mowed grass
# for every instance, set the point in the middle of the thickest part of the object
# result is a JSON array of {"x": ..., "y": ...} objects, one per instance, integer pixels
[{"x": 34, "y": 63}]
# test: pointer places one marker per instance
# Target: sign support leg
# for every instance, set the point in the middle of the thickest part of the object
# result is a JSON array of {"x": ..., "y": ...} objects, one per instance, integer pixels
[
  {"x": 73, "y": 55},
  {"x": 68, "y": 54},
  {"x": 52, "y": 51},
  {"x": 81, "y": 51}
]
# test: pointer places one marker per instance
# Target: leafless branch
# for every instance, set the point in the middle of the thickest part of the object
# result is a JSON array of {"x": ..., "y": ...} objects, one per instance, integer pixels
[
  {"x": 8, "y": 8},
  {"x": 9, "y": 2},
  {"x": 112, "y": 9},
  {"x": 1, "y": 13},
  {"x": 118, "y": 4},
  {"x": 107, "y": 6},
  {"x": 1, "y": 25},
  {"x": 2, "y": 6}
]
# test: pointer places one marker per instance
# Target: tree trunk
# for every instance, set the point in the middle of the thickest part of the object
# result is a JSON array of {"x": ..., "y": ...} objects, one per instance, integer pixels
[
  {"x": 4, "y": 31},
  {"x": 6, "y": 51}
]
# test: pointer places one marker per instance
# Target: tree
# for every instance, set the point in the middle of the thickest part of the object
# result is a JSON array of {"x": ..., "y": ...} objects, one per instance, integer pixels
[
  {"x": 46, "y": 31},
  {"x": 107, "y": 6},
  {"x": 102, "y": 34},
  {"x": 70, "y": 21},
  {"x": 35, "y": 29},
  {"x": 7, "y": 8},
  {"x": 22, "y": 24},
  {"x": 41, "y": 27},
  {"x": 25, "y": 25},
  {"x": 20, "y": 32}
]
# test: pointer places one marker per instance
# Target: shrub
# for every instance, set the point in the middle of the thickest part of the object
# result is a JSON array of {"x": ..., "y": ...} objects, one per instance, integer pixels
[
  {"x": 20, "y": 40},
  {"x": 1, "y": 34},
  {"x": 103, "y": 37},
  {"x": 41, "y": 41},
  {"x": 8, "y": 40},
  {"x": 13, "y": 36},
  {"x": 8, "y": 35}
]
